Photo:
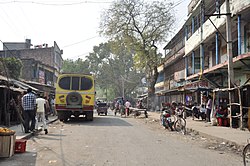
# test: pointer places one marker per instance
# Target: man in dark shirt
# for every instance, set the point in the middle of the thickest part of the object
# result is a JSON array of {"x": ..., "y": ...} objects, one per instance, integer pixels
[{"x": 29, "y": 110}]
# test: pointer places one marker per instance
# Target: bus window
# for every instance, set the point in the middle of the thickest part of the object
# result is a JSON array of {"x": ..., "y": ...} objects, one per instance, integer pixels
[
  {"x": 75, "y": 83},
  {"x": 64, "y": 83},
  {"x": 86, "y": 83}
]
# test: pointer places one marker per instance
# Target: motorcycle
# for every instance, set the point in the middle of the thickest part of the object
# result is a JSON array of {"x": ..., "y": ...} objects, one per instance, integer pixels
[
  {"x": 166, "y": 119},
  {"x": 117, "y": 109},
  {"x": 127, "y": 111},
  {"x": 122, "y": 110}
]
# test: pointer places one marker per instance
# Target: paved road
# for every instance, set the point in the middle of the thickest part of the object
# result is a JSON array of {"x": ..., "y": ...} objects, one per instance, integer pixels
[{"x": 115, "y": 141}]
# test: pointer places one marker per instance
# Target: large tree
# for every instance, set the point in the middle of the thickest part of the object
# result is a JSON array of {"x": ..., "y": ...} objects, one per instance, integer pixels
[
  {"x": 112, "y": 64},
  {"x": 143, "y": 25}
]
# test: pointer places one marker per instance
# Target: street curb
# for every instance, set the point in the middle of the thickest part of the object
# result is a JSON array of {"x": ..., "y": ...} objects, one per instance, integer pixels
[
  {"x": 29, "y": 135},
  {"x": 191, "y": 130}
]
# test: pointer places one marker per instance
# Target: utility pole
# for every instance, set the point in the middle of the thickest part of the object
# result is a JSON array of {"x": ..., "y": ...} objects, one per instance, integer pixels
[
  {"x": 201, "y": 42},
  {"x": 229, "y": 56}
]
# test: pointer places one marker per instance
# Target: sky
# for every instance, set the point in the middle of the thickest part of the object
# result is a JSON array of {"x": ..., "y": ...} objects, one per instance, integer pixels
[{"x": 73, "y": 24}]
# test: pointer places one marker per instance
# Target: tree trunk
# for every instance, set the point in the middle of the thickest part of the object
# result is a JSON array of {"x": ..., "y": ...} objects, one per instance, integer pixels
[{"x": 151, "y": 88}]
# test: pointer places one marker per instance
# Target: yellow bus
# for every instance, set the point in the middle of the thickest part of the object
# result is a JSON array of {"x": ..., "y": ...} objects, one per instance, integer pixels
[{"x": 75, "y": 95}]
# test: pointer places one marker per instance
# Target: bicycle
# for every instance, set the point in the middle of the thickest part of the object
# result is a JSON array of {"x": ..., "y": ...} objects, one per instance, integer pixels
[
  {"x": 246, "y": 154},
  {"x": 180, "y": 122}
]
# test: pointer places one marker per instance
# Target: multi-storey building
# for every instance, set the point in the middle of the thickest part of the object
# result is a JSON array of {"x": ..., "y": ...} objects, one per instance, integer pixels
[
  {"x": 205, "y": 54},
  {"x": 172, "y": 71},
  {"x": 41, "y": 64},
  {"x": 206, "y": 43}
]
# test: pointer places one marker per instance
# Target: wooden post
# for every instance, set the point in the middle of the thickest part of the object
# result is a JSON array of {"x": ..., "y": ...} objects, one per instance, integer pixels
[
  {"x": 5, "y": 107},
  {"x": 241, "y": 112},
  {"x": 248, "y": 122},
  {"x": 213, "y": 109}
]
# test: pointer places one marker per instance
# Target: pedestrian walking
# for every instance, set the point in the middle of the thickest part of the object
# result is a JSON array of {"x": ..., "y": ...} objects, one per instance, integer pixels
[
  {"x": 52, "y": 106},
  {"x": 47, "y": 108},
  {"x": 29, "y": 110},
  {"x": 127, "y": 105},
  {"x": 41, "y": 106},
  {"x": 209, "y": 108}
]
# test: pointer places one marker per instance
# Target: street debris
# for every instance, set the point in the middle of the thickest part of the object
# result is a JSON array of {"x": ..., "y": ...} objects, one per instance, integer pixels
[
  {"x": 52, "y": 161},
  {"x": 203, "y": 141}
]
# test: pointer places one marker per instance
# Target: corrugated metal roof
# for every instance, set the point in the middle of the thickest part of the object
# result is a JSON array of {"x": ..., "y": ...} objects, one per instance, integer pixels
[
  {"x": 23, "y": 85},
  {"x": 3, "y": 78},
  {"x": 12, "y": 88}
]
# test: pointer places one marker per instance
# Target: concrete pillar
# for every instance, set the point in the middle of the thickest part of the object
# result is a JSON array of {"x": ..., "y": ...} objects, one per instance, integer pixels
[
  {"x": 217, "y": 48},
  {"x": 239, "y": 34},
  {"x": 186, "y": 64},
  {"x": 193, "y": 62},
  {"x": 202, "y": 57}
]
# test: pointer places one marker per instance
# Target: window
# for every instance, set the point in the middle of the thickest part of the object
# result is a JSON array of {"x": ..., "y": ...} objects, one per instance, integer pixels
[
  {"x": 197, "y": 63},
  {"x": 64, "y": 83},
  {"x": 75, "y": 83},
  {"x": 34, "y": 73},
  {"x": 86, "y": 83}
]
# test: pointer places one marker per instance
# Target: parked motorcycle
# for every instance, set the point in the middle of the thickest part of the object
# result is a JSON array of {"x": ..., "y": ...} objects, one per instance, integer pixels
[{"x": 166, "y": 119}]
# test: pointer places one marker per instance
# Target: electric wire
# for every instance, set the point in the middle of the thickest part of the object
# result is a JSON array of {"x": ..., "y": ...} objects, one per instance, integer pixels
[
  {"x": 80, "y": 41},
  {"x": 56, "y": 4},
  {"x": 27, "y": 19},
  {"x": 8, "y": 21},
  {"x": 78, "y": 56}
]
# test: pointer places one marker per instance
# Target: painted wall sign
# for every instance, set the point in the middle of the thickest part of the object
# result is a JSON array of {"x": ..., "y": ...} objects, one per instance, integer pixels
[{"x": 196, "y": 85}]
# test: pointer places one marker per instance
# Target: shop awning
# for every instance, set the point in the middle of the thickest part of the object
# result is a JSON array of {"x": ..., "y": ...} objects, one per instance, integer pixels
[
  {"x": 166, "y": 91},
  {"x": 23, "y": 85},
  {"x": 12, "y": 88}
]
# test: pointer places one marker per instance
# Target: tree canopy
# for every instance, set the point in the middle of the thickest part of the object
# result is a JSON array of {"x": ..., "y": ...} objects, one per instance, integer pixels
[
  {"x": 142, "y": 25},
  {"x": 77, "y": 66},
  {"x": 12, "y": 65},
  {"x": 114, "y": 69}
]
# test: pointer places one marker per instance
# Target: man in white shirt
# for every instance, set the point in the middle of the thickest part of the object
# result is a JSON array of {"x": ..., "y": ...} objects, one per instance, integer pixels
[
  {"x": 127, "y": 105},
  {"x": 209, "y": 108},
  {"x": 41, "y": 104}
]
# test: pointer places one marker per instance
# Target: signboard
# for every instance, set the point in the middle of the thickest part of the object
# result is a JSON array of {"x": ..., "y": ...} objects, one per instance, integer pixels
[
  {"x": 41, "y": 77},
  {"x": 157, "y": 89},
  {"x": 196, "y": 85},
  {"x": 173, "y": 84}
]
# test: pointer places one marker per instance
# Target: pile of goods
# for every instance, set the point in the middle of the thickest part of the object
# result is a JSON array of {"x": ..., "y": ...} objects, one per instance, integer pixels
[{"x": 6, "y": 131}]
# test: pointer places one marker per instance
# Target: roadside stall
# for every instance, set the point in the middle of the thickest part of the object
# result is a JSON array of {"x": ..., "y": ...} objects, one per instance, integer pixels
[
  {"x": 238, "y": 113},
  {"x": 7, "y": 142}
]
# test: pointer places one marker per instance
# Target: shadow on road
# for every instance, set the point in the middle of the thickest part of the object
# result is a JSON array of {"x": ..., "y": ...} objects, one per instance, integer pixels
[
  {"x": 20, "y": 158},
  {"x": 100, "y": 121}
]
